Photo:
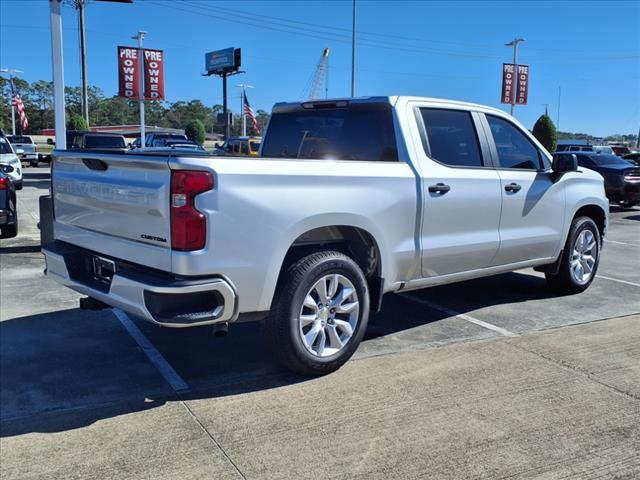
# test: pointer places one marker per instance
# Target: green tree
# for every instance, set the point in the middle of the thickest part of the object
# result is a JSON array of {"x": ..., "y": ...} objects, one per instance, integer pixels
[
  {"x": 77, "y": 122},
  {"x": 545, "y": 131},
  {"x": 195, "y": 131}
]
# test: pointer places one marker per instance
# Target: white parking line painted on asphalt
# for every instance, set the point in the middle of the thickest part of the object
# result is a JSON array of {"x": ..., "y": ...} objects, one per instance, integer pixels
[
  {"x": 463, "y": 316},
  {"x": 170, "y": 375},
  {"x": 618, "y": 280},
  {"x": 623, "y": 243}
]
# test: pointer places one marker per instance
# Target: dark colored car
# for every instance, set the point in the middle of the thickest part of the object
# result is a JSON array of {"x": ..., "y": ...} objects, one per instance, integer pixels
[
  {"x": 159, "y": 139},
  {"x": 633, "y": 158},
  {"x": 621, "y": 178},
  {"x": 620, "y": 150},
  {"x": 8, "y": 206}
]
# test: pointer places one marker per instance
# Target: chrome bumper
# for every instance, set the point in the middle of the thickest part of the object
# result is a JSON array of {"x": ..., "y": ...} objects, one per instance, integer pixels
[{"x": 132, "y": 296}]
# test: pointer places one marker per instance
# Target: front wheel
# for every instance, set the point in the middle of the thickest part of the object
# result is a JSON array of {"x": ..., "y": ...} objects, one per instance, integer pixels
[
  {"x": 320, "y": 313},
  {"x": 580, "y": 259}
]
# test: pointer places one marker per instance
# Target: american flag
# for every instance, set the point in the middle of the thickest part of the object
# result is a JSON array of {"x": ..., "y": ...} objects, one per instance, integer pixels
[
  {"x": 17, "y": 102},
  {"x": 248, "y": 111}
]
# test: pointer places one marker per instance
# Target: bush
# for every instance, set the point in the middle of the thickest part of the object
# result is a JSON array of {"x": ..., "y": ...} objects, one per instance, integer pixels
[
  {"x": 195, "y": 131},
  {"x": 545, "y": 131},
  {"x": 77, "y": 122}
]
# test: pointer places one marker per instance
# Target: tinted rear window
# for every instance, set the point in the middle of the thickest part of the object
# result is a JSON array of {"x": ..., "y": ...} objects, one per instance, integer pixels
[
  {"x": 17, "y": 139},
  {"x": 365, "y": 134},
  {"x": 96, "y": 141}
]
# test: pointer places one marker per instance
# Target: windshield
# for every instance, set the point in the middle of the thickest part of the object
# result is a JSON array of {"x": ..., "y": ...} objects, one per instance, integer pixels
[
  {"x": 4, "y": 146},
  {"x": 608, "y": 160},
  {"x": 18, "y": 139},
  {"x": 99, "y": 141},
  {"x": 333, "y": 134}
]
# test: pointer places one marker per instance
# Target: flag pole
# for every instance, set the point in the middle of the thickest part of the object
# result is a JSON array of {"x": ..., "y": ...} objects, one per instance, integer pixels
[{"x": 140, "y": 38}]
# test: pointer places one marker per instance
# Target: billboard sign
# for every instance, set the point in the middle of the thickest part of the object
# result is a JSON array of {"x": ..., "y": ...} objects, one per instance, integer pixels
[
  {"x": 153, "y": 74},
  {"x": 222, "y": 61},
  {"x": 128, "y": 73},
  {"x": 515, "y": 88}
]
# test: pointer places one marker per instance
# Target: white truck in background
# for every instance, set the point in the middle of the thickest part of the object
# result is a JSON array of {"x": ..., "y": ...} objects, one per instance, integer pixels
[{"x": 349, "y": 199}]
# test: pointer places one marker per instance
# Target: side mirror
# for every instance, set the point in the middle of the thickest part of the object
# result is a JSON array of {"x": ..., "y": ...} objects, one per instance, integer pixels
[
  {"x": 50, "y": 141},
  {"x": 564, "y": 162}
]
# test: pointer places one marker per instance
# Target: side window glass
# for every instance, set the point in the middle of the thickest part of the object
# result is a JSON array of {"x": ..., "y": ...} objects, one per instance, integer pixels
[
  {"x": 514, "y": 148},
  {"x": 452, "y": 137}
]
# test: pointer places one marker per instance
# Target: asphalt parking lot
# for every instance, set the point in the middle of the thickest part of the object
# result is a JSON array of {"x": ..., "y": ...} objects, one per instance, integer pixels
[{"x": 492, "y": 378}]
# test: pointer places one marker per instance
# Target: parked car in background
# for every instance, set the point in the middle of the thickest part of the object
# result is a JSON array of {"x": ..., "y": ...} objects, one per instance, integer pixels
[
  {"x": 77, "y": 139},
  {"x": 585, "y": 148},
  {"x": 8, "y": 207},
  {"x": 620, "y": 150},
  {"x": 240, "y": 147},
  {"x": 621, "y": 178},
  {"x": 184, "y": 145},
  {"x": 159, "y": 139},
  {"x": 633, "y": 158},
  {"x": 349, "y": 200},
  {"x": 9, "y": 158},
  {"x": 27, "y": 145}
]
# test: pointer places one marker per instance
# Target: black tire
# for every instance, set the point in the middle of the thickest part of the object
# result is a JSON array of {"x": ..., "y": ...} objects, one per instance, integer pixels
[
  {"x": 33, "y": 164},
  {"x": 18, "y": 185},
  {"x": 10, "y": 231},
  {"x": 283, "y": 324},
  {"x": 563, "y": 282}
]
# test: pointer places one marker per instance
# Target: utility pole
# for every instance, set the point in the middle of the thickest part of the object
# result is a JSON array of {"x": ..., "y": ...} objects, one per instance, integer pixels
[
  {"x": 224, "y": 107},
  {"x": 140, "y": 38},
  {"x": 514, "y": 43},
  {"x": 12, "y": 72},
  {"x": 83, "y": 61},
  {"x": 244, "y": 87},
  {"x": 546, "y": 109},
  {"x": 353, "y": 52},
  {"x": 55, "y": 19},
  {"x": 558, "y": 119}
]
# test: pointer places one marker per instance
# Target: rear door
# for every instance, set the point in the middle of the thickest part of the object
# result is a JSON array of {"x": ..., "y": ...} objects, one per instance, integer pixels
[
  {"x": 462, "y": 199},
  {"x": 533, "y": 203},
  {"x": 116, "y": 204}
]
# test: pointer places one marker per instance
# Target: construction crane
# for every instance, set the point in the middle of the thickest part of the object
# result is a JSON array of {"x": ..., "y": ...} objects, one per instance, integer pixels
[{"x": 320, "y": 76}]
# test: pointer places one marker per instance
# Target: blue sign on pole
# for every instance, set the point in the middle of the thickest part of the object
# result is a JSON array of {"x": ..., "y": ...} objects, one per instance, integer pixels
[{"x": 219, "y": 61}]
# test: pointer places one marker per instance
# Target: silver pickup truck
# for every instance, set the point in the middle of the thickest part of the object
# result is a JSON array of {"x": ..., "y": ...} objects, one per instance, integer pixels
[{"x": 348, "y": 200}]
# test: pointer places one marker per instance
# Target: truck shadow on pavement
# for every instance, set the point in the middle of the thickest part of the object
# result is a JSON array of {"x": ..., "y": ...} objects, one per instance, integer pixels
[{"x": 68, "y": 369}]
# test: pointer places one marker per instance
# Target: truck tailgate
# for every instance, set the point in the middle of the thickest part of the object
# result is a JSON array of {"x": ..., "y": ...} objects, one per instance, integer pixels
[{"x": 115, "y": 204}]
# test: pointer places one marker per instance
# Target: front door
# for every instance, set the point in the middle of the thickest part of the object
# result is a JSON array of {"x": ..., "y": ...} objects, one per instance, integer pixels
[
  {"x": 533, "y": 203},
  {"x": 461, "y": 194}
]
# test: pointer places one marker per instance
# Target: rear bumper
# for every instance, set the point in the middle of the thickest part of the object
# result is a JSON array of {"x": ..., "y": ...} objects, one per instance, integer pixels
[
  {"x": 29, "y": 156},
  {"x": 143, "y": 292}
]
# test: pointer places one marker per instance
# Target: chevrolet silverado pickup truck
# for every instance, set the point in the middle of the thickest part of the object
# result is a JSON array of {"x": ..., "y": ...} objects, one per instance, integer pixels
[{"x": 349, "y": 199}]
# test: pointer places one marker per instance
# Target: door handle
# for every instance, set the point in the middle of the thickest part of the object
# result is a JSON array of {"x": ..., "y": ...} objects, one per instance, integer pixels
[
  {"x": 512, "y": 187},
  {"x": 439, "y": 188}
]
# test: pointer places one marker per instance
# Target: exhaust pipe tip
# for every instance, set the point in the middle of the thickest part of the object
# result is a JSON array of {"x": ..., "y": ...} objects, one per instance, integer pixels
[{"x": 220, "y": 330}]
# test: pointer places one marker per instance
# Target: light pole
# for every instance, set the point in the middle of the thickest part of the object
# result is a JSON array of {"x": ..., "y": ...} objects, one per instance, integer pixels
[
  {"x": 12, "y": 72},
  {"x": 514, "y": 43},
  {"x": 244, "y": 87},
  {"x": 353, "y": 52},
  {"x": 140, "y": 38}
]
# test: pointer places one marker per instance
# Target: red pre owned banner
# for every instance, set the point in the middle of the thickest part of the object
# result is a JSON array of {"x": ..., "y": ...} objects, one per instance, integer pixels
[
  {"x": 128, "y": 73},
  {"x": 153, "y": 74},
  {"x": 508, "y": 83},
  {"x": 523, "y": 84}
]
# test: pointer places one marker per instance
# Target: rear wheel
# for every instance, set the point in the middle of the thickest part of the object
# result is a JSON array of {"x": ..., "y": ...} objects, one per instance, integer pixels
[
  {"x": 10, "y": 231},
  {"x": 320, "y": 314},
  {"x": 580, "y": 258}
]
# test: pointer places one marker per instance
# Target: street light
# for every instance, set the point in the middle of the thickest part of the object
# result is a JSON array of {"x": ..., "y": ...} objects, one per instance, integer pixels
[
  {"x": 514, "y": 43},
  {"x": 12, "y": 72}
]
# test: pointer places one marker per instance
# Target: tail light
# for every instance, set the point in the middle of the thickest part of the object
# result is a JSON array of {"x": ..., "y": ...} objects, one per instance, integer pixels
[
  {"x": 188, "y": 224},
  {"x": 4, "y": 183}
]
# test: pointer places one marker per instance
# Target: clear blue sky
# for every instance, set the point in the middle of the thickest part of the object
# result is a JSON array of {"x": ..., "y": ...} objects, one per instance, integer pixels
[{"x": 440, "y": 49}]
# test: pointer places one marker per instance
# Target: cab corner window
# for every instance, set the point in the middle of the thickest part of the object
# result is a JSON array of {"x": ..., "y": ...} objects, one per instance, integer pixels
[
  {"x": 452, "y": 137},
  {"x": 515, "y": 150}
]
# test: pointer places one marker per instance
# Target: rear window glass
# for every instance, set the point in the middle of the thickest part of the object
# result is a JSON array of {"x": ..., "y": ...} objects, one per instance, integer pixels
[
  {"x": 18, "y": 139},
  {"x": 364, "y": 134},
  {"x": 452, "y": 137},
  {"x": 96, "y": 141}
]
